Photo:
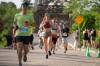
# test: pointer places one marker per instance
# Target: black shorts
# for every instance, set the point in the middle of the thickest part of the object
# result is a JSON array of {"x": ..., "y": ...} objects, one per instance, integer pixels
[
  {"x": 93, "y": 38},
  {"x": 31, "y": 39},
  {"x": 14, "y": 40},
  {"x": 54, "y": 40},
  {"x": 24, "y": 39},
  {"x": 47, "y": 34}
]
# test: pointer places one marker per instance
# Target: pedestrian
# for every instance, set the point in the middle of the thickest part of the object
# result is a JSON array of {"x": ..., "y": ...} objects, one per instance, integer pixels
[
  {"x": 40, "y": 35},
  {"x": 54, "y": 31},
  {"x": 23, "y": 22},
  {"x": 89, "y": 38},
  {"x": 46, "y": 25},
  {"x": 59, "y": 40},
  {"x": 93, "y": 37},
  {"x": 65, "y": 34},
  {"x": 85, "y": 38}
]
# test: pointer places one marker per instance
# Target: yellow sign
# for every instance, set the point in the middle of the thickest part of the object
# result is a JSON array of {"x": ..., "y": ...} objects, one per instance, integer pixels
[
  {"x": 79, "y": 20},
  {"x": 99, "y": 33}
]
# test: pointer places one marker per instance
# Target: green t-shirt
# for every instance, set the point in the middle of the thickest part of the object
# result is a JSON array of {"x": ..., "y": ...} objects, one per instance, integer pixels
[{"x": 24, "y": 23}]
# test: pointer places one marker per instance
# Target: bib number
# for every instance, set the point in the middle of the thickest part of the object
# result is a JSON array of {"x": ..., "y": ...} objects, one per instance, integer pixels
[
  {"x": 64, "y": 34},
  {"x": 24, "y": 29}
]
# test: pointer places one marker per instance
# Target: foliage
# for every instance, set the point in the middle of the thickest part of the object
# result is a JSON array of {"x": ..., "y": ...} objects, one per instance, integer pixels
[
  {"x": 7, "y": 12},
  {"x": 74, "y": 27},
  {"x": 88, "y": 8},
  {"x": 97, "y": 39}
]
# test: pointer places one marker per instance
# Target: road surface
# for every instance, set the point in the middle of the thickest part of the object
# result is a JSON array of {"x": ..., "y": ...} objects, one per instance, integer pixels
[{"x": 36, "y": 57}]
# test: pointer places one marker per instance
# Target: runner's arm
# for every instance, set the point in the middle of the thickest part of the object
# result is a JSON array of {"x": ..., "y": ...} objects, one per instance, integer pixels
[{"x": 15, "y": 22}]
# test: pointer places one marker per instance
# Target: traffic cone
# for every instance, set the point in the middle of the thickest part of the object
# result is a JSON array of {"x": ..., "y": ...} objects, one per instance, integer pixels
[
  {"x": 88, "y": 52},
  {"x": 98, "y": 54}
]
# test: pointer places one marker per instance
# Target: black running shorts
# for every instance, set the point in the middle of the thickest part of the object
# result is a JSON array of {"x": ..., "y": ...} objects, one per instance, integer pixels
[{"x": 24, "y": 39}]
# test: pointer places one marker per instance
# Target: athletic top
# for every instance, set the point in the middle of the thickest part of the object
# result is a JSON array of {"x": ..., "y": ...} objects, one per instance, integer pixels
[
  {"x": 47, "y": 24},
  {"x": 24, "y": 23},
  {"x": 93, "y": 33},
  {"x": 65, "y": 32},
  {"x": 85, "y": 36}
]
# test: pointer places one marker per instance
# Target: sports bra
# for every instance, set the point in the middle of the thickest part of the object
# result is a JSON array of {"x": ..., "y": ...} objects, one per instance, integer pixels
[{"x": 47, "y": 25}]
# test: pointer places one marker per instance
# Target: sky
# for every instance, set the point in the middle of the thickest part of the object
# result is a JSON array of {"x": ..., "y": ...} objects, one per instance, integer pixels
[{"x": 17, "y": 2}]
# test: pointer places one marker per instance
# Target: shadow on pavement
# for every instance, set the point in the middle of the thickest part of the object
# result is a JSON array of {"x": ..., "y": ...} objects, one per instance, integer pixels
[
  {"x": 75, "y": 58},
  {"x": 22, "y": 65}
]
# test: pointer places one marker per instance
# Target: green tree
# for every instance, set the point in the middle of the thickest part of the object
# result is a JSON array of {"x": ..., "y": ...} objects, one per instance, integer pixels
[
  {"x": 86, "y": 8},
  {"x": 7, "y": 12},
  {"x": 89, "y": 9}
]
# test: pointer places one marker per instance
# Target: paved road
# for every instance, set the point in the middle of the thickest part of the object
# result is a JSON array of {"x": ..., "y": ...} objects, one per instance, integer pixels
[{"x": 36, "y": 57}]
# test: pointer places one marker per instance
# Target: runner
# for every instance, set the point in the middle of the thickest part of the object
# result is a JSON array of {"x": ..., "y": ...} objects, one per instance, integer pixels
[
  {"x": 65, "y": 34},
  {"x": 31, "y": 37},
  {"x": 40, "y": 37},
  {"x": 23, "y": 22},
  {"x": 59, "y": 40},
  {"x": 46, "y": 25},
  {"x": 55, "y": 36}
]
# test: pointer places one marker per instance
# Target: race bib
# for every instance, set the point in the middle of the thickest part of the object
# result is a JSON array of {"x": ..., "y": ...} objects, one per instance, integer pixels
[
  {"x": 53, "y": 31},
  {"x": 42, "y": 34},
  {"x": 24, "y": 29},
  {"x": 64, "y": 34}
]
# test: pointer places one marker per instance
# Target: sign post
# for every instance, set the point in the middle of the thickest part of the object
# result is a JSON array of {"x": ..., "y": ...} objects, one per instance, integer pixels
[{"x": 78, "y": 21}]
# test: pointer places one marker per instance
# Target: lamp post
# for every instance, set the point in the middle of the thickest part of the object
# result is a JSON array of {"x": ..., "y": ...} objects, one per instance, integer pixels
[{"x": 78, "y": 21}]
